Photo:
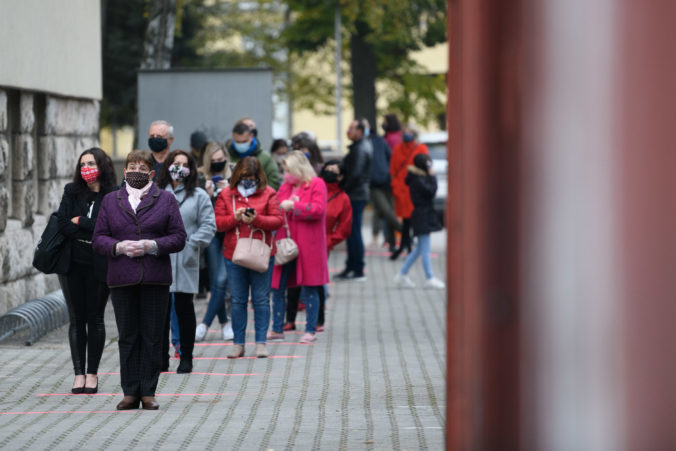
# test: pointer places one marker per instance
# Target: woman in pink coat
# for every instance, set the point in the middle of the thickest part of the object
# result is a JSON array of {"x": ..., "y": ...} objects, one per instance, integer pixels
[{"x": 303, "y": 199}]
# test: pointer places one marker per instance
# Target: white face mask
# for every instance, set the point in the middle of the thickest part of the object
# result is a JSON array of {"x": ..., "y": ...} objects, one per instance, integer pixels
[
  {"x": 242, "y": 147},
  {"x": 244, "y": 190}
]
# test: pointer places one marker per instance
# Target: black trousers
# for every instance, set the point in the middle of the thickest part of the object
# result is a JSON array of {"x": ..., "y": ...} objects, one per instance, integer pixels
[
  {"x": 406, "y": 235},
  {"x": 185, "y": 312},
  {"x": 140, "y": 312},
  {"x": 292, "y": 298},
  {"x": 86, "y": 298}
]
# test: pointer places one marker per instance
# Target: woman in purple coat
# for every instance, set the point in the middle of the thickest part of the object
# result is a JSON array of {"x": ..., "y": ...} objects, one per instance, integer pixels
[{"x": 138, "y": 227}]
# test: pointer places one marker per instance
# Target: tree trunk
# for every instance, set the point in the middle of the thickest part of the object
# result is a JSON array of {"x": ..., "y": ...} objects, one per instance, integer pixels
[
  {"x": 159, "y": 39},
  {"x": 363, "y": 65}
]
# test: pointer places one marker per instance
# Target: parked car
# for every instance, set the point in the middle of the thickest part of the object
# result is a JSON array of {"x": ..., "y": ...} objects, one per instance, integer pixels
[{"x": 436, "y": 143}]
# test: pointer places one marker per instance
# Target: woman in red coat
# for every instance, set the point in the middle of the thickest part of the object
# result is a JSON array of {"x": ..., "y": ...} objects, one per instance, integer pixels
[
  {"x": 248, "y": 204},
  {"x": 338, "y": 220},
  {"x": 303, "y": 198},
  {"x": 402, "y": 157},
  {"x": 338, "y": 207}
]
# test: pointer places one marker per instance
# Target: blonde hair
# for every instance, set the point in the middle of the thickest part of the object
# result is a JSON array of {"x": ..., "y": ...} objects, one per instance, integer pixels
[
  {"x": 298, "y": 164},
  {"x": 209, "y": 151}
]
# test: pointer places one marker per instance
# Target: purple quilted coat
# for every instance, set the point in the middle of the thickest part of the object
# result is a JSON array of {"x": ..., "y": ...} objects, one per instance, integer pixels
[{"x": 157, "y": 218}]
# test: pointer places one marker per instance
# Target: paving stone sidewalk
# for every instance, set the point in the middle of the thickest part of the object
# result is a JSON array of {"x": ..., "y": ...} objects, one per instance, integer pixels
[{"x": 374, "y": 380}]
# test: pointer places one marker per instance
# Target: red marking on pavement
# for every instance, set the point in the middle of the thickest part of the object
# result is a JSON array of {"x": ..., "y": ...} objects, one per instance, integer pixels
[
  {"x": 207, "y": 374},
  {"x": 378, "y": 253},
  {"x": 250, "y": 343},
  {"x": 226, "y": 358},
  {"x": 121, "y": 394},
  {"x": 68, "y": 412},
  {"x": 253, "y": 331}
]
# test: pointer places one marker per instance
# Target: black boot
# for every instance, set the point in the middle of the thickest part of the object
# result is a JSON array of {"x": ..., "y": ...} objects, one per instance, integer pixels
[
  {"x": 396, "y": 253},
  {"x": 185, "y": 366}
]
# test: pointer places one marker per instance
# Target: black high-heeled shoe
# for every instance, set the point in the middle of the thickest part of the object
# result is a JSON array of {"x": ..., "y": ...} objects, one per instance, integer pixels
[
  {"x": 91, "y": 390},
  {"x": 78, "y": 390}
]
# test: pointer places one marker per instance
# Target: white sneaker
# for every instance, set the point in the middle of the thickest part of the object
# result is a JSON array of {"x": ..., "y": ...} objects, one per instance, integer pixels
[
  {"x": 435, "y": 284},
  {"x": 228, "y": 334},
  {"x": 200, "y": 332},
  {"x": 403, "y": 280}
]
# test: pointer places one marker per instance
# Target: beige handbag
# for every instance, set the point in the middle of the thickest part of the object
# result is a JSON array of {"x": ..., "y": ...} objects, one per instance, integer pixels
[
  {"x": 250, "y": 252},
  {"x": 287, "y": 249}
]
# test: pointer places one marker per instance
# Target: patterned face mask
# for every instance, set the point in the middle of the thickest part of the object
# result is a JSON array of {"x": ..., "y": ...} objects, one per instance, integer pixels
[
  {"x": 89, "y": 175},
  {"x": 137, "y": 179},
  {"x": 178, "y": 173}
]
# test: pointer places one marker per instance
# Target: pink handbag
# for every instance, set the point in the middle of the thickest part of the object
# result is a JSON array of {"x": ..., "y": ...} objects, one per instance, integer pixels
[
  {"x": 250, "y": 252},
  {"x": 287, "y": 249}
]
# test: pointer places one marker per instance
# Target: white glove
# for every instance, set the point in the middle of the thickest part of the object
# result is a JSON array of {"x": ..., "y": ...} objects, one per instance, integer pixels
[
  {"x": 148, "y": 246},
  {"x": 129, "y": 248},
  {"x": 287, "y": 205}
]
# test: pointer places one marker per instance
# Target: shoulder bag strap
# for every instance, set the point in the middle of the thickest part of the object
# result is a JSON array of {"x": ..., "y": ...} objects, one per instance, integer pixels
[
  {"x": 403, "y": 165},
  {"x": 233, "y": 213},
  {"x": 253, "y": 229}
]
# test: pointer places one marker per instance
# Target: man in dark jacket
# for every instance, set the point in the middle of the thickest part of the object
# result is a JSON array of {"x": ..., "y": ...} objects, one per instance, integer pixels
[
  {"x": 356, "y": 169},
  {"x": 160, "y": 137},
  {"x": 381, "y": 191}
]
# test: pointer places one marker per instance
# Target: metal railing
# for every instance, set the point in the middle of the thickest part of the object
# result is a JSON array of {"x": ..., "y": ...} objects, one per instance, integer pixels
[{"x": 39, "y": 316}]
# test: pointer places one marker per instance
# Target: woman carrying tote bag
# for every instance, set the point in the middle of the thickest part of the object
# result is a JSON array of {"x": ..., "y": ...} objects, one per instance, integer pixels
[
  {"x": 246, "y": 205},
  {"x": 303, "y": 197}
]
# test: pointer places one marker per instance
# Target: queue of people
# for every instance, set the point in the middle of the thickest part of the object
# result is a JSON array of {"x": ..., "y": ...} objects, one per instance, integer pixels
[{"x": 141, "y": 242}]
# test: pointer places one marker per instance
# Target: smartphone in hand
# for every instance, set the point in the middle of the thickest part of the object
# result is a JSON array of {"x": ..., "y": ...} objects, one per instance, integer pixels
[{"x": 249, "y": 212}]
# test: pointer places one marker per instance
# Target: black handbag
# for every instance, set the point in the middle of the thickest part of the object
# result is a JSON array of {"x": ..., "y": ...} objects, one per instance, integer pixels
[{"x": 52, "y": 253}]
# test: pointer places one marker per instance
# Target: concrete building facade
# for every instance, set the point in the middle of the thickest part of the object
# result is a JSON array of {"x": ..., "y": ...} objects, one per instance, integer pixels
[{"x": 50, "y": 92}]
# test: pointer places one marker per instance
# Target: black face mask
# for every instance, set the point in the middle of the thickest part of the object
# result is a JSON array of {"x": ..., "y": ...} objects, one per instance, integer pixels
[
  {"x": 217, "y": 167},
  {"x": 408, "y": 137},
  {"x": 157, "y": 144},
  {"x": 137, "y": 179},
  {"x": 330, "y": 177}
]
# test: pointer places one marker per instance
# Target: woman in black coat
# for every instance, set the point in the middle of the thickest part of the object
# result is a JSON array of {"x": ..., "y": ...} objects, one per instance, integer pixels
[
  {"x": 84, "y": 286},
  {"x": 422, "y": 185}
]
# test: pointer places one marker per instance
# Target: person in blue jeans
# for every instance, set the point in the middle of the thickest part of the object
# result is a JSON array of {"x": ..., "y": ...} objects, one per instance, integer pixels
[
  {"x": 218, "y": 280},
  {"x": 217, "y": 175},
  {"x": 422, "y": 184},
  {"x": 356, "y": 170},
  {"x": 303, "y": 198},
  {"x": 248, "y": 208}
]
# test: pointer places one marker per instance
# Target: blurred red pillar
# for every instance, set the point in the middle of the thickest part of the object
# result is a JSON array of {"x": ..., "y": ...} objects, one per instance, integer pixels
[
  {"x": 484, "y": 143},
  {"x": 562, "y": 225}
]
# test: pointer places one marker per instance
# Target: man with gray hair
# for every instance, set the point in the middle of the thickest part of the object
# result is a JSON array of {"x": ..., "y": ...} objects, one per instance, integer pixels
[{"x": 160, "y": 137}]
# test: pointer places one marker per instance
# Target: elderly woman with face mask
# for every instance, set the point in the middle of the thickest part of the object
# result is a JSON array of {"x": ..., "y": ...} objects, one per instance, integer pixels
[{"x": 138, "y": 226}]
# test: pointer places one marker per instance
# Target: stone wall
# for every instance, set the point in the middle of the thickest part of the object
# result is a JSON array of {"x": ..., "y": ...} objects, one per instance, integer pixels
[{"x": 41, "y": 136}]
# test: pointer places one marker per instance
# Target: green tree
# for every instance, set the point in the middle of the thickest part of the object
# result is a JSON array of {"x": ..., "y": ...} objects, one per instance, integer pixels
[
  {"x": 124, "y": 26},
  {"x": 381, "y": 37}
]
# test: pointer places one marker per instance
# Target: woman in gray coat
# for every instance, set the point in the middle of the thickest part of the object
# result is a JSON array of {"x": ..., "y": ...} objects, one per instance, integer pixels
[{"x": 179, "y": 176}]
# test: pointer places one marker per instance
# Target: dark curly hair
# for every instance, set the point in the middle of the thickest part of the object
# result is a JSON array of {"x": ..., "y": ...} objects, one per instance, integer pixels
[
  {"x": 190, "y": 182},
  {"x": 106, "y": 178}
]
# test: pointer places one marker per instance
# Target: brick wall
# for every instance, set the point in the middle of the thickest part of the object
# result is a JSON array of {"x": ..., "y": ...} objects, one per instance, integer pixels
[{"x": 41, "y": 136}]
